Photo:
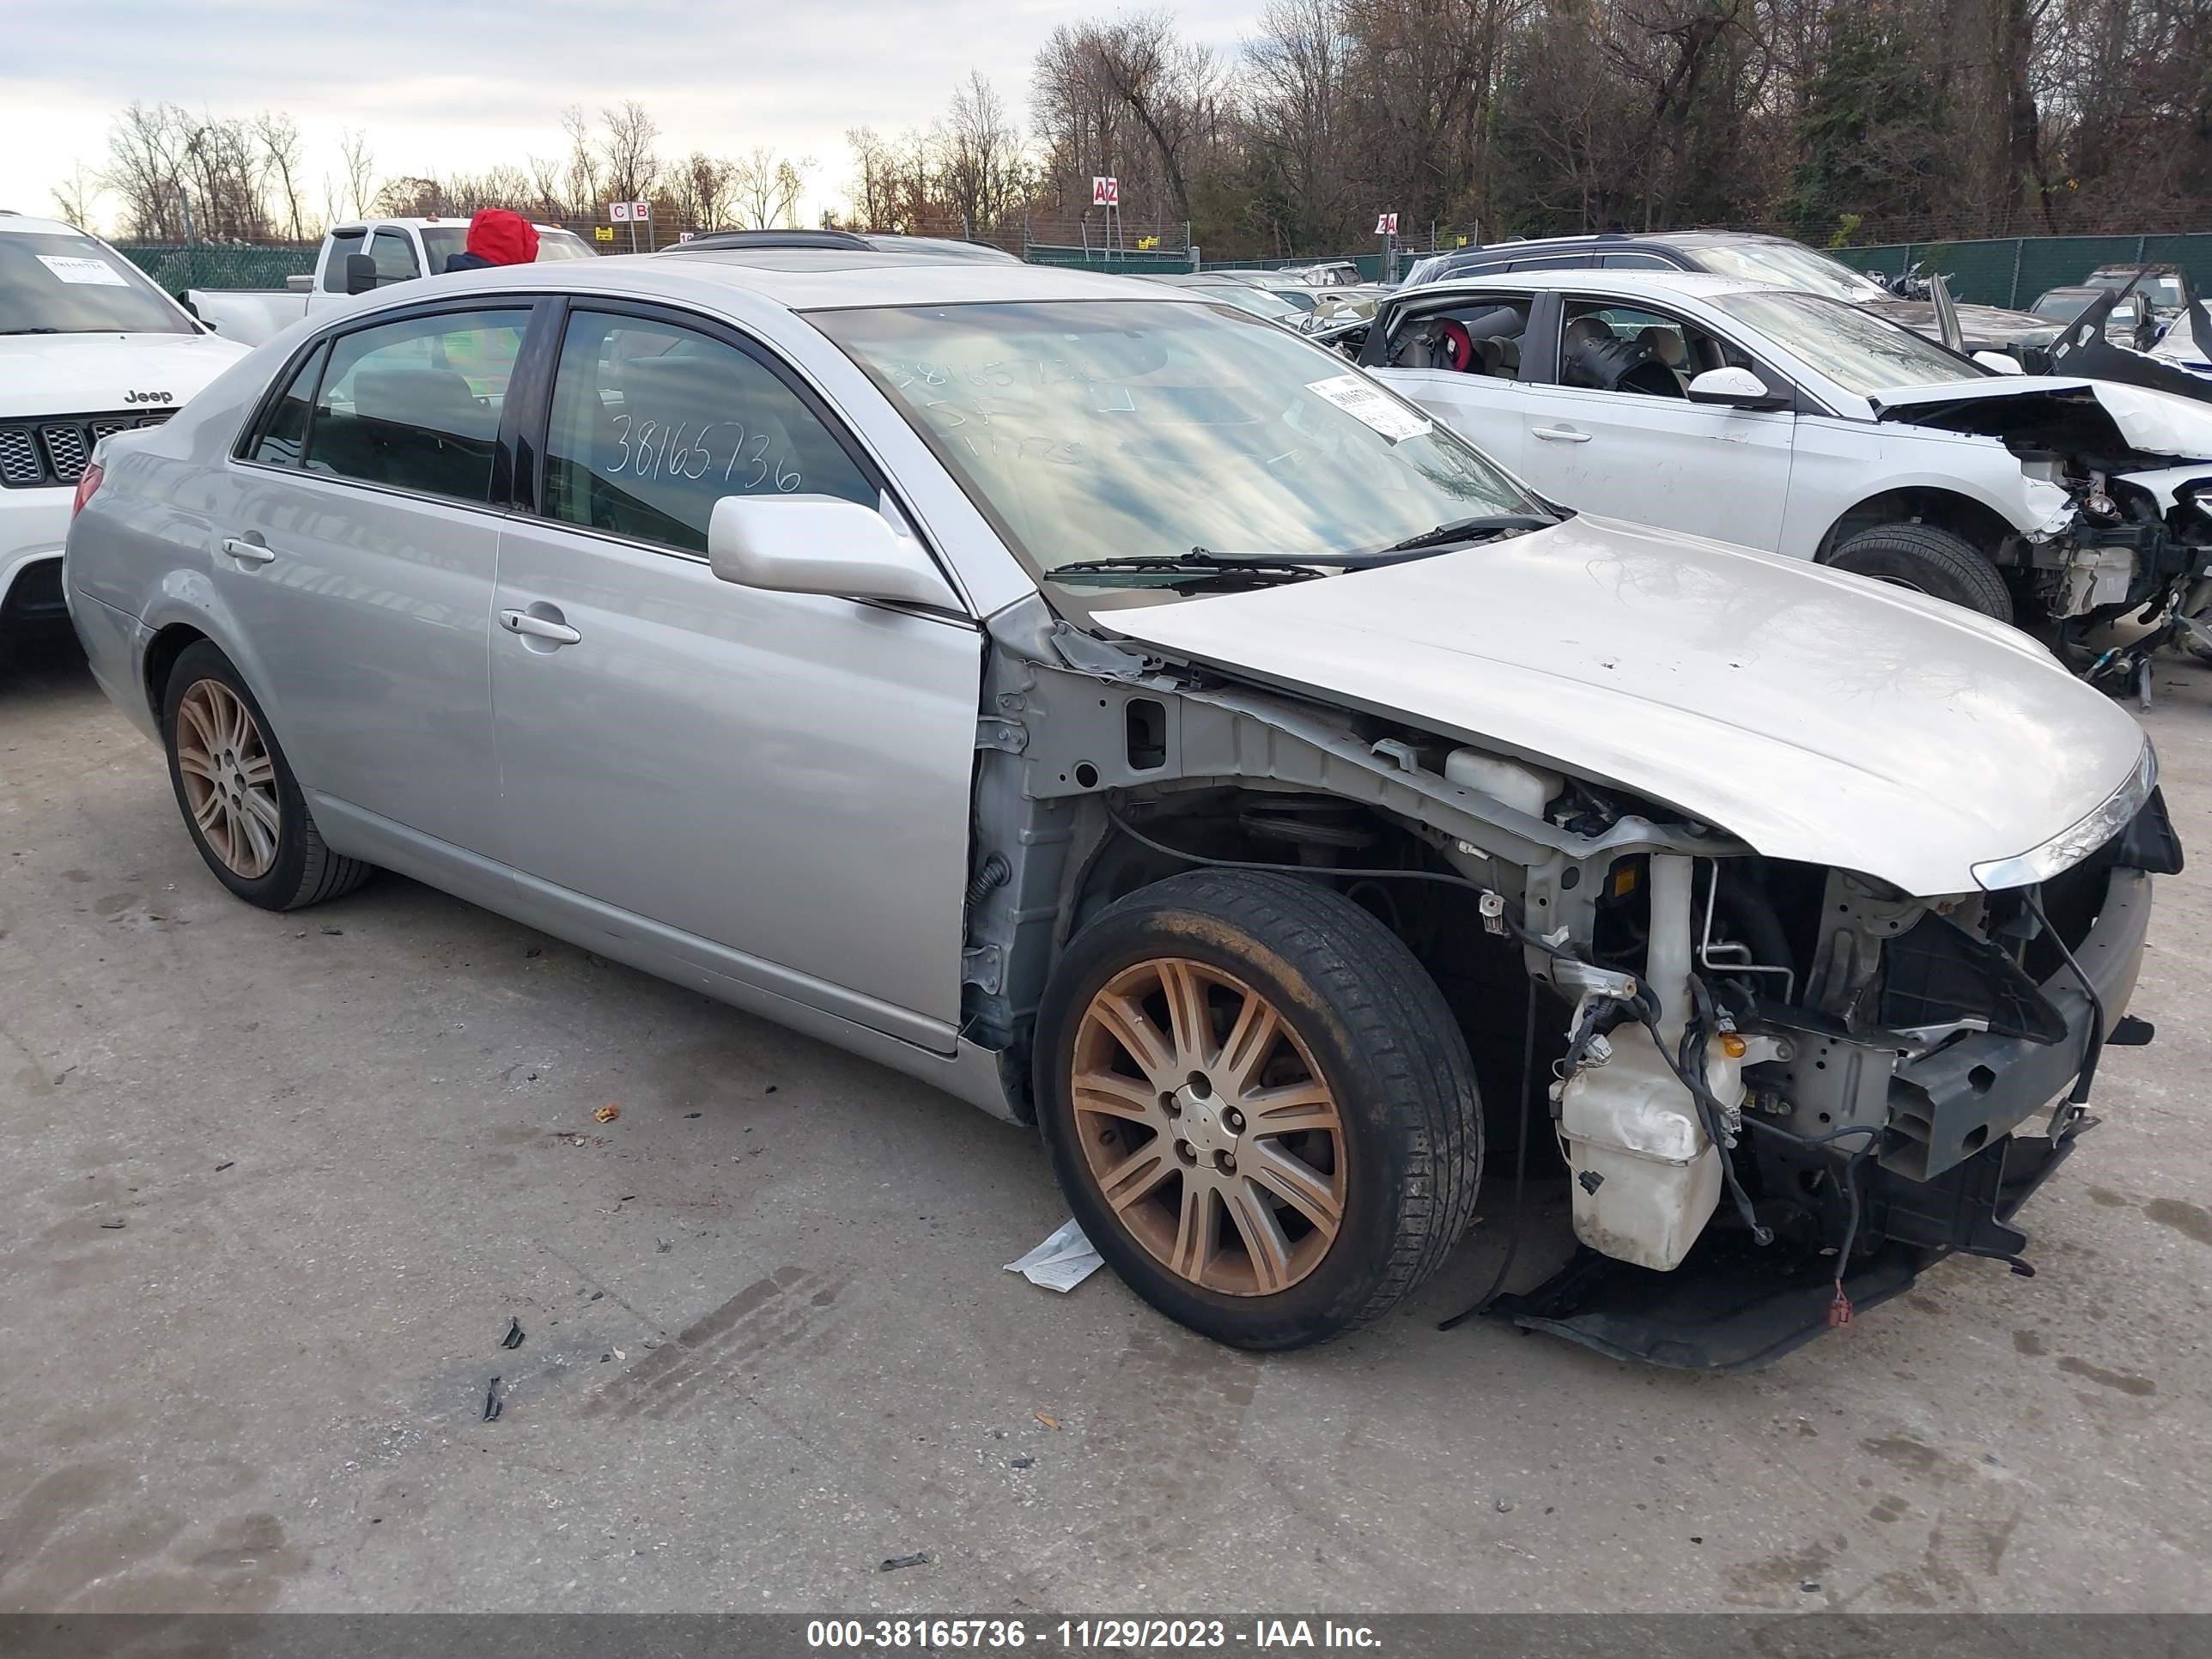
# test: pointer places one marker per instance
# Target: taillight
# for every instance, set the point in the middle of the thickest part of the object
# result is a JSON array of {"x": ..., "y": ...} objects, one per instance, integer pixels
[{"x": 85, "y": 485}]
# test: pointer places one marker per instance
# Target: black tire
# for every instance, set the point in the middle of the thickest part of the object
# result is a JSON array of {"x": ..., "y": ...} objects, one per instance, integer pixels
[
  {"x": 1929, "y": 560},
  {"x": 304, "y": 870},
  {"x": 1363, "y": 1020}
]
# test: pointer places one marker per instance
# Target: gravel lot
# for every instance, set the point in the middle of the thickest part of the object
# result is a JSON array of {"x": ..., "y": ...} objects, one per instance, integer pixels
[{"x": 271, "y": 1189}]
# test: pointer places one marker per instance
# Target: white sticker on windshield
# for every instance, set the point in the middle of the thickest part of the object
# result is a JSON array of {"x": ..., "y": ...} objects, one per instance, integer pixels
[
  {"x": 1365, "y": 402},
  {"x": 98, "y": 272}
]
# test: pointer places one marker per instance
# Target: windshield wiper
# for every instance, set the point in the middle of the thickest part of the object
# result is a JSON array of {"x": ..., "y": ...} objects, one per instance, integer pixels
[
  {"x": 1459, "y": 529},
  {"x": 1199, "y": 561}
]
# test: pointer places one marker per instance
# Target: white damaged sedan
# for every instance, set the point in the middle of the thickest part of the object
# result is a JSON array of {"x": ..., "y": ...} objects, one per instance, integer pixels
[{"x": 1100, "y": 703}]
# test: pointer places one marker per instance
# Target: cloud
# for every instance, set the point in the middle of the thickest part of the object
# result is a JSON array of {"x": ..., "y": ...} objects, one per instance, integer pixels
[{"x": 458, "y": 85}]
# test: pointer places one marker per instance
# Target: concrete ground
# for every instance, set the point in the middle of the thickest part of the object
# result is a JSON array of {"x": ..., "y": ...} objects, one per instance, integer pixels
[{"x": 272, "y": 1187}]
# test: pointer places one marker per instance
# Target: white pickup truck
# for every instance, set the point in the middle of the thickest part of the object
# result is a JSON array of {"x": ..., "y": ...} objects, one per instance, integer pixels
[{"x": 355, "y": 258}]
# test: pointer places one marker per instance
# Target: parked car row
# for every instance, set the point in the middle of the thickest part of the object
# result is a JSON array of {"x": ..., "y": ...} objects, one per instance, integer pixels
[{"x": 1137, "y": 719}]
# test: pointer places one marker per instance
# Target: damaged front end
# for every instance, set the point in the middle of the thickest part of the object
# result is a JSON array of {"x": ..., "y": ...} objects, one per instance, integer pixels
[{"x": 1882, "y": 1081}]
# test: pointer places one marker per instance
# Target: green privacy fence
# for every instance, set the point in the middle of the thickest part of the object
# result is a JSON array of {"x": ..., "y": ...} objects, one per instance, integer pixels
[
  {"x": 175, "y": 268},
  {"x": 1120, "y": 264},
  {"x": 2014, "y": 270}
]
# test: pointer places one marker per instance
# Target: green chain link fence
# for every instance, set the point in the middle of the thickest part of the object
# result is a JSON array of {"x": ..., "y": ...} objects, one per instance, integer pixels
[
  {"x": 174, "y": 268},
  {"x": 2014, "y": 270}
]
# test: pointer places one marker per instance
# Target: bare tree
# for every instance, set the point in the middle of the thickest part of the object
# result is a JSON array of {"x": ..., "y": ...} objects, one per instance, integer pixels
[
  {"x": 633, "y": 168},
  {"x": 359, "y": 166},
  {"x": 764, "y": 187},
  {"x": 982, "y": 169},
  {"x": 582, "y": 177},
  {"x": 74, "y": 199},
  {"x": 278, "y": 137}
]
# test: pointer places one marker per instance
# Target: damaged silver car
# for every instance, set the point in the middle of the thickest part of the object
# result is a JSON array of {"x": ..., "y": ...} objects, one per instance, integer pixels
[{"x": 1116, "y": 712}]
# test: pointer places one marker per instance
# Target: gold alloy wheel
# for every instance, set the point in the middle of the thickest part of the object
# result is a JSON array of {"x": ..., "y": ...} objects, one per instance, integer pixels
[
  {"x": 1209, "y": 1129},
  {"x": 230, "y": 781}
]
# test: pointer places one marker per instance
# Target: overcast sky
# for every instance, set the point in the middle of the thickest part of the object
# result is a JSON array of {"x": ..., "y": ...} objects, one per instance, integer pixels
[{"x": 458, "y": 85}]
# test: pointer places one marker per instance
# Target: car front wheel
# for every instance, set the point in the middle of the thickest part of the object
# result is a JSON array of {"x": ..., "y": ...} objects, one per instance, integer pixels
[
  {"x": 1258, "y": 1106},
  {"x": 242, "y": 806},
  {"x": 1928, "y": 560}
]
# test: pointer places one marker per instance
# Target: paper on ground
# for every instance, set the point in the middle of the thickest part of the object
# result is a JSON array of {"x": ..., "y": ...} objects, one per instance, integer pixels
[{"x": 1061, "y": 1262}]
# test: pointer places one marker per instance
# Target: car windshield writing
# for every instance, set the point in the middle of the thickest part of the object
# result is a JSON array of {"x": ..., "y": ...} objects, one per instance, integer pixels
[
  {"x": 1789, "y": 267},
  {"x": 1095, "y": 430},
  {"x": 1855, "y": 348},
  {"x": 64, "y": 284}
]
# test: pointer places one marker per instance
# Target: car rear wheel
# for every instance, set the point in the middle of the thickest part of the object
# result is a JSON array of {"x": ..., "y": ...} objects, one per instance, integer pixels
[
  {"x": 1258, "y": 1106},
  {"x": 242, "y": 806},
  {"x": 1928, "y": 560}
]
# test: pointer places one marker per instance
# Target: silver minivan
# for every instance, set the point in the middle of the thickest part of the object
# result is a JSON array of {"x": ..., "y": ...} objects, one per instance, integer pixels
[{"x": 1122, "y": 713}]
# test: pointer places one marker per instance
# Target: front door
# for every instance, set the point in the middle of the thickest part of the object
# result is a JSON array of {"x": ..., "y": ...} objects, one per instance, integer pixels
[
  {"x": 359, "y": 559},
  {"x": 1462, "y": 363},
  {"x": 1617, "y": 434},
  {"x": 779, "y": 781}
]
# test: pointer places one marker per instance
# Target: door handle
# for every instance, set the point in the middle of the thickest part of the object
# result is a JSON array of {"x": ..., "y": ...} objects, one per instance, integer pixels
[
  {"x": 1558, "y": 434},
  {"x": 521, "y": 622},
  {"x": 248, "y": 552}
]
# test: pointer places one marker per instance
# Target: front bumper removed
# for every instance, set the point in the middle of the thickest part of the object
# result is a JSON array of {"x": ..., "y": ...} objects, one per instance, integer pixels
[{"x": 1976, "y": 1127}]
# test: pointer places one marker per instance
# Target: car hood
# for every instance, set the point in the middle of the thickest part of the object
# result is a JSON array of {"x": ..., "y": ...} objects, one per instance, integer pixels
[
  {"x": 1815, "y": 715},
  {"x": 43, "y": 374},
  {"x": 1983, "y": 325},
  {"x": 2155, "y": 422}
]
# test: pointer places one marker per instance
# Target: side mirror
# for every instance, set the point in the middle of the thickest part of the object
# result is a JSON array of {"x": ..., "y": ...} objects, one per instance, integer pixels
[
  {"x": 1738, "y": 386},
  {"x": 1999, "y": 362},
  {"x": 820, "y": 544},
  {"x": 360, "y": 273}
]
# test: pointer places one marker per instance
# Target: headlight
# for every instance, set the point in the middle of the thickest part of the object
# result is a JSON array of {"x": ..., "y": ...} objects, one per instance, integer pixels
[{"x": 2069, "y": 847}]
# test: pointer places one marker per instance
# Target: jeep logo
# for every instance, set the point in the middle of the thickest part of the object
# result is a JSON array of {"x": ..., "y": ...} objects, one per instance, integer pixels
[{"x": 148, "y": 397}]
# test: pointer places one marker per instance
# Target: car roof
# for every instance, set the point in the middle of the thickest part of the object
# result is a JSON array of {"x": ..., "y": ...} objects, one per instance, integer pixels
[
  {"x": 1650, "y": 285},
  {"x": 25, "y": 224},
  {"x": 824, "y": 279}
]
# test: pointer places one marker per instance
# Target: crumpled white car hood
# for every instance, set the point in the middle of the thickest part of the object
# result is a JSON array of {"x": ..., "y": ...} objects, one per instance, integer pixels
[
  {"x": 1816, "y": 715},
  {"x": 2157, "y": 422}
]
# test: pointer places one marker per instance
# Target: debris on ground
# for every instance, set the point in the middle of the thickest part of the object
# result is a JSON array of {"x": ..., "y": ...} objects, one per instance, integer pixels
[
  {"x": 1021, "y": 1463},
  {"x": 333, "y": 933},
  {"x": 608, "y": 1113},
  {"x": 694, "y": 1113},
  {"x": 651, "y": 1341},
  {"x": 112, "y": 1226},
  {"x": 493, "y": 1404},
  {"x": 228, "y": 1163},
  {"x": 1061, "y": 1263},
  {"x": 769, "y": 1090},
  {"x": 531, "y": 952},
  {"x": 893, "y": 1563},
  {"x": 1048, "y": 1421},
  {"x": 1506, "y": 1506},
  {"x": 662, "y": 1247},
  {"x": 514, "y": 1337}
]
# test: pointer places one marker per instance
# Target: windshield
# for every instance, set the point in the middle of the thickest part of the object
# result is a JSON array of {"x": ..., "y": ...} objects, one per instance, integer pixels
[
  {"x": 65, "y": 283},
  {"x": 1111, "y": 429},
  {"x": 441, "y": 242},
  {"x": 2164, "y": 292},
  {"x": 1856, "y": 349},
  {"x": 2064, "y": 305},
  {"x": 1788, "y": 265}
]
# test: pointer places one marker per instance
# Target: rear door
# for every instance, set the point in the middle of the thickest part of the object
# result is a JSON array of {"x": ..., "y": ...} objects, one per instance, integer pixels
[
  {"x": 359, "y": 563},
  {"x": 1610, "y": 427},
  {"x": 1459, "y": 358},
  {"x": 771, "y": 786}
]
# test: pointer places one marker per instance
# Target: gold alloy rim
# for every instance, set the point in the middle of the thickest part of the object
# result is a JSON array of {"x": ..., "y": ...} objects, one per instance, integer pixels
[
  {"x": 230, "y": 781},
  {"x": 1211, "y": 1132}
]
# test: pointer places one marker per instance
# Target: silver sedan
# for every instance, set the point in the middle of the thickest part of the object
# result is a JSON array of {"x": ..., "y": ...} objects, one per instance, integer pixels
[{"x": 1121, "y": 713}]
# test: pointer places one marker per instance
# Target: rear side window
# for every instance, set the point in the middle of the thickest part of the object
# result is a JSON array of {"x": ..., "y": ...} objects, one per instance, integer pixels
[
  {"x": 653, "y": 423},
  {"x": 283, "y": 435},
  {"x": 415, "y": 405},
  {"x": 395, "y": 258},
  {"x": 342, "y": 242},
  {"x": 1634, "y": 262}
]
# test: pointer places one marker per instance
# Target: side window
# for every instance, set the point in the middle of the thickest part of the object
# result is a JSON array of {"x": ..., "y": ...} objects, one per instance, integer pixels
[
  {"x": 1614, "y": 348},
  {"x": 1634, "y": 262},
  {"x": 1477, "y": 335},
  {"x": 415, "y": 405},
  {"x": 283, "y": 433},
  {"x": 342, "y": 242},
  {"x": 395, "y": 258},
  {"x": 653, "y": 423}
]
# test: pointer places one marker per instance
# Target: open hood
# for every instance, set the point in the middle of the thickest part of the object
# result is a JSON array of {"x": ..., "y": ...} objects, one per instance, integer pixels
[
  {"x": 2153, "y": 422},
  {"x": 43, "y": 374},
  {"x": 1815, "y": 715},
  {"x": 1985, "y": 327}
]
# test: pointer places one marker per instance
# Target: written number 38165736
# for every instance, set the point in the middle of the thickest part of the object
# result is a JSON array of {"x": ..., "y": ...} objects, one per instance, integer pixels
[{"x": 654, "y": 449}]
